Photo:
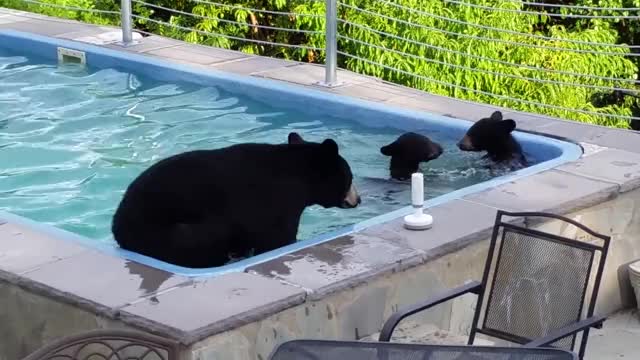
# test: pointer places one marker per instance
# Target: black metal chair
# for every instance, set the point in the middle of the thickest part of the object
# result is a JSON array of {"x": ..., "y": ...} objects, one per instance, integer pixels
[
  {"x": 538, "y": 289},
  {"x": 108, "y": 344},
  {"x": 356, "y": 350}
]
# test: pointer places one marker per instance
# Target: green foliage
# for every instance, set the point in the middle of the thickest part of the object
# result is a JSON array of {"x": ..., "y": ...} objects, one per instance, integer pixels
[
  {"x": 79, "y": 15},
  {"x": 497, "y": 57},
  {"x": 483, "y": 64}
]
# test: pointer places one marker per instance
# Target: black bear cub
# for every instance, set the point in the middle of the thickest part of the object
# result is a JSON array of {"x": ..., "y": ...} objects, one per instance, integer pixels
[
  {"x": 493, "y": 135},
  {"x": 407, "y": 152},
  {"x": 197, "y": 208}
]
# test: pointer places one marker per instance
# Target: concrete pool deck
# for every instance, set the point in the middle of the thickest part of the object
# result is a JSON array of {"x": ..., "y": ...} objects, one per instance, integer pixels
[{"x": 270, "y": 302}]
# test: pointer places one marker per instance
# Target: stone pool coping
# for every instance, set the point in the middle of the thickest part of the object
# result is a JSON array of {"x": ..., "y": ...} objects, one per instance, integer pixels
[{"x": 190, "y": 309}]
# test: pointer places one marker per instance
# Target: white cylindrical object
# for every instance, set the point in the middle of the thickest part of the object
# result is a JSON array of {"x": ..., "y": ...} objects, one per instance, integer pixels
[
  {"x": 417, "y": 189},
  {"x": 418, "y": 220}
]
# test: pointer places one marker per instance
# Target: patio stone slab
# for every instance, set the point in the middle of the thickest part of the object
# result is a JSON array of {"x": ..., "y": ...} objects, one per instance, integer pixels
[
  {"x": 455, "y": 224},
  {"x": 221, "y": 53},
  {"x": 443, "y": 105},
  {"x": 195, "y": 54},
  {"x": 339, "y": 263},
  {"x": 214, "y": 305},
  {"x": 104, "y": 37},
  {"x": 372, "y": 91},
  {"x": 612, "y": 165},
  {"x": 308, "y": 74},
  {"x": 45, "y": 27},
  {"x": 114, "y": 282},
  {"x": 628, "y": 140},
  {"x": 8, "y": 18},
  {"x": 549, "y": 191},
  {"x": 87, "y": 32},
  {"x": 417, "y": 103},
  {"x": 23, "y": 249},
  {"x": 253, "y": 64},
  {"x": 148, "y": 43}
]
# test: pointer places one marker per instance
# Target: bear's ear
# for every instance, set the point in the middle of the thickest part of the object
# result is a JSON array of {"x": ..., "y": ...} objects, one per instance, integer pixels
[
  {"x": 295, "y": 138},
  {"x": 497, "y": 116},
  {"x": 507, "y": 126},
  {"x": 388, "y": 150},
  {"x": 330, "y": 147}
]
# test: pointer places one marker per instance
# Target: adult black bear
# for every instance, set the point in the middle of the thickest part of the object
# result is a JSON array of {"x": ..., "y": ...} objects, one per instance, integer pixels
[
  {"x": 407, "y": 152},
  {"x": 196, "y": 208},
  {"x": 493, "y": 135}
]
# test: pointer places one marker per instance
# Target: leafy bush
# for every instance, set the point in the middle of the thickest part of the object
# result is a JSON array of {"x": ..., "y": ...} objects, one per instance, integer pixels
[
  {"x": 488, "y": 56},
  {"x": 57, "y": 10},
  {"x": 558, "y": 66}
]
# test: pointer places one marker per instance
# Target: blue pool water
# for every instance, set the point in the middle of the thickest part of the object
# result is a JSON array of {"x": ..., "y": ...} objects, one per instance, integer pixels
[{"x": 73, "y": 137}]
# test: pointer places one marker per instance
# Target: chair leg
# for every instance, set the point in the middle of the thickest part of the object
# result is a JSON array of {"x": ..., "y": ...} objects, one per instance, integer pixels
[
  {"x": 583, "y": 343},
  {"x": 472, "y": 336}
]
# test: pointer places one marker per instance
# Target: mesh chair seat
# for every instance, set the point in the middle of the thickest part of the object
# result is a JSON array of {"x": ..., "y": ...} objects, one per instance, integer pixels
[{"x": 341, "y": 350}]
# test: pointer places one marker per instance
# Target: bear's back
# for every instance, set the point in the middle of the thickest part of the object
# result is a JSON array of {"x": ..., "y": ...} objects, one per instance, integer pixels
[{"x": 194, "y": 182}]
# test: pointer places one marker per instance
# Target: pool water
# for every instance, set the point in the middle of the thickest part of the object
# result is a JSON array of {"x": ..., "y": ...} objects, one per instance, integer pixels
[{"x": 72, "y": 139}]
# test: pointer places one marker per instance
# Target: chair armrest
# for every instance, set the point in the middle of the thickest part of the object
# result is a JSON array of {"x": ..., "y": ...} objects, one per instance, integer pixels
[
  {"x": 391, "y": 323},
  {"x": 595, "y": 321}
]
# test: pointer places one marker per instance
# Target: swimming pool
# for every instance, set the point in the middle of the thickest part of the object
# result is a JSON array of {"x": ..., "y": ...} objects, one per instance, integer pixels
[{"x": 101, "y": 127}]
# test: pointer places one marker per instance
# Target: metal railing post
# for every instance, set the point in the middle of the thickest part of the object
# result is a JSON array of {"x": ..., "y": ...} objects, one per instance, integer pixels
[
  {"x": 331, "y": 45},
  {"x": 125, "y": 20}
]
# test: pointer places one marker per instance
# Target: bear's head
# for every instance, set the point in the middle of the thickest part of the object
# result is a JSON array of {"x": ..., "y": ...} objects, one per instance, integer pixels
[
  {"x": 407, "y": 152},
  {"x": 331, "y": 177},
  {"x": 488, "y": 134}
]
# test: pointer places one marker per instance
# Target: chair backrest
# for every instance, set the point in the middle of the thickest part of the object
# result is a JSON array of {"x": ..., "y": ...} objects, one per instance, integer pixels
[
  {"x": 535, "y": 282},
  {"x": 108, "y": 344}
]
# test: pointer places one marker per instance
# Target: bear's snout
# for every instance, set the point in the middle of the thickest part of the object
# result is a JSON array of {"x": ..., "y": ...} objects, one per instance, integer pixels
[
  {"x": 403, "y": 173},
  {"x": 352, "y": 199},
  {"x": 437, "y": 153},
  {"x": 465, "y": 144}
]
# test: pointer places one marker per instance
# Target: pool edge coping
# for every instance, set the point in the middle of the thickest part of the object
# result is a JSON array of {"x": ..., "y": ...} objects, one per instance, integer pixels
[{"x": 569, "y": 152}]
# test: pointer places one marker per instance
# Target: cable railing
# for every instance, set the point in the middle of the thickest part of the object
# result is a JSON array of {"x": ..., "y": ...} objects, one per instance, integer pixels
[
  {"x": 208, "y": 33},
  {"x": 572, "y": 7},
  {"x": 257, "y": 26},
  {"x": 468, "y": 49},
  {"x": 497, "y": 29},
  {"x": 540, "y": 13},
  {"x": 577, "y": 61},
  {"x": 476, "y": 37},
  {"x": 480, "y": 57},
  {"x": 70, "y": 7}
]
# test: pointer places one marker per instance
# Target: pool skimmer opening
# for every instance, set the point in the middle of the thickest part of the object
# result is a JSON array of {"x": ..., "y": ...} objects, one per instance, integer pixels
[{"x": 70, "y": 56}]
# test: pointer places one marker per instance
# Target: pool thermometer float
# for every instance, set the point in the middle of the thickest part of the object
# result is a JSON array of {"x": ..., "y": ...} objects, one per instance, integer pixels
[{"x": 418, "y": 220}]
